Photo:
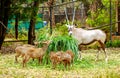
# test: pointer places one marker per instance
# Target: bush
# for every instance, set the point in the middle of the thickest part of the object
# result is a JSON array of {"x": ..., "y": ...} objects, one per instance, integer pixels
[
  {"x": 114, "y": 43},
  {"x": 60, "y": 41},
  {"x": 63, "y": 43}
]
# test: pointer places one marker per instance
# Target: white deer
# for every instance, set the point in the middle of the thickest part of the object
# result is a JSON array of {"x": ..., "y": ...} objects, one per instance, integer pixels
[{"x": 85, "y": 37}]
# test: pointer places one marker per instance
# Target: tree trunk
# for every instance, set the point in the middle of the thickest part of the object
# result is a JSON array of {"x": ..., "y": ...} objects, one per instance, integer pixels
[
  {"x": 118, "y": 11},
  {"x": 53, "y": 18},
  {"x": 1, "y": 16},
  {"x": 50, "y": 19},
  {"x": 31, "y": 32},
  {"x": 16, "y": 27},
  {"x": 5, "y": 10},
  {"x": 51, "y": 14}
]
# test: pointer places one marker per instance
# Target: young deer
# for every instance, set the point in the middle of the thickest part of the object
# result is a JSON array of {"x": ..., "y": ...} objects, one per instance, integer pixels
[
  {"x": 61, "y": 57},
  {"x": 55, "y": 58}
]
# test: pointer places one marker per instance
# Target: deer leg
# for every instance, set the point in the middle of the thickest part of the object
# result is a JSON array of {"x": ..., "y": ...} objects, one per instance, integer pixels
[
  {"x": 80, "y": 52},
  {"x": 25, "y": 59},
  {"x": 24, "y": 62},
  {"x": 106, "y": 56},
  {"x": 80, "y": 55},
  {"x": 33, "y": 59},
  {"x": 65, "y": 65},
  {"x": 97, "y": 56},
  {"x": 103, "y": 48},
  {"x": 54, "y": 63},
  {"x": 40, "y": 60},
  {"x": 16, "y": 56},
  {"x": 69, "y": 65}
]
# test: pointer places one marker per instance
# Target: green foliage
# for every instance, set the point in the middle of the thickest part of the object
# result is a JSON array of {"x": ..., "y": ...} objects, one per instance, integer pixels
[
  {"x": 101, "y": 16},
  {"x": 63, "y": 43},
  {"x": 59, "y": 39},
  {"x": 114, "y": 43},
  {"x": 61, "y": 29},
  {"x": 42, "y": 34},
  {"x": 23, "y": 33}
]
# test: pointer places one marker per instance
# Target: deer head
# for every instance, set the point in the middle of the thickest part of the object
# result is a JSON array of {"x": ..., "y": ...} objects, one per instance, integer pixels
[{"x": 70, "y": 26}]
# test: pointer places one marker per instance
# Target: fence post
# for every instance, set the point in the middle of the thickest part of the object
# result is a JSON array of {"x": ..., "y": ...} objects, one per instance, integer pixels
[{"x": 50, "y": 19}]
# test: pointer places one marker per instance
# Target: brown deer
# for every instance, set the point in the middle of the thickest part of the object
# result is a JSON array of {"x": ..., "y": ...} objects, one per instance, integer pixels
[
  {"x": 59, "y": 57},
  {"x": 35, "y": 53},
  {"x": 21, "y": 50},
  {"x": 55, "y": 58}
]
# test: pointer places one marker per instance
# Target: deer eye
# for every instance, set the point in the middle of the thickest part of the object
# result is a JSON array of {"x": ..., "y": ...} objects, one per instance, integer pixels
[{"x": 68, "y": 30}]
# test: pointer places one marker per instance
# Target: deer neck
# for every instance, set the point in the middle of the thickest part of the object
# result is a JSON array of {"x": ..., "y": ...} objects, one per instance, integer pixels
[
  {"x": 45, "y": 47},
  {"x": 73, "y": 31}
]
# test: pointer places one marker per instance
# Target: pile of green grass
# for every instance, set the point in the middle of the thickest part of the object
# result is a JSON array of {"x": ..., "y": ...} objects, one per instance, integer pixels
[{"x": 60, "y": 40}]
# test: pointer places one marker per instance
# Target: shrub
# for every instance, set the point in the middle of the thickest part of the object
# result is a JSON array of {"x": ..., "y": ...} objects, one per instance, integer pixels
[
  {"x": 114, "y": 43},
  {"x": 59, "y": 40},
  {"x": 63, "y": 43}
]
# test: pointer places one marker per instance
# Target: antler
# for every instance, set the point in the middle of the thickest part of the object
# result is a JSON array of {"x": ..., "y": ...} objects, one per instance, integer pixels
[
  {"x": 73, "y": 15},
  {"x": 66, "y": 16}
]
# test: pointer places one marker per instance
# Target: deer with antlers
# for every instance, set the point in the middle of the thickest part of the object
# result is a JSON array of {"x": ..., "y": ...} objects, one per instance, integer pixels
[{"x": 85, "y": 37}]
